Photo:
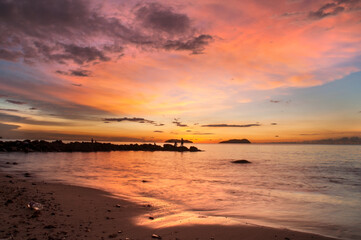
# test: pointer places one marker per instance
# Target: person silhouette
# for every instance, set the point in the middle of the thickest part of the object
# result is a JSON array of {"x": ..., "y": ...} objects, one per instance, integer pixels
[{"x": 182, "y": 141}]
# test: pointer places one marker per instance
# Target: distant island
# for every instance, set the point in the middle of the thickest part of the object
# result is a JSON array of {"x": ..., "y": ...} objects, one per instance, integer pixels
[
  {"x": 58, "y": 146},
  {"x": 344, "y": 140},
  {"x": 236, "y": 141},
  {"x": 178, "y": 141}
]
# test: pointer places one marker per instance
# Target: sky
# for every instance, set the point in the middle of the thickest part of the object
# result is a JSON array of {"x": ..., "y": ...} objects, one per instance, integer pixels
[{"x": 206, "y": 70}]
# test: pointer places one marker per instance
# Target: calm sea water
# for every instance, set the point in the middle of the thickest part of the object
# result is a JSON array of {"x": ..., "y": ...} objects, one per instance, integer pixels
[{"x": 312, "y": 188}]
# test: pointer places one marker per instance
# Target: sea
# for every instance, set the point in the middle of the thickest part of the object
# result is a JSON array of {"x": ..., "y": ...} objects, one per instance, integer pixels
[{"x": 309, "y": 188}]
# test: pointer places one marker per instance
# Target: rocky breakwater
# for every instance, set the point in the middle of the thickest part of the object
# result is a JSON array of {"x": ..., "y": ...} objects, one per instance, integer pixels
[{"x": 59, "y": 146}]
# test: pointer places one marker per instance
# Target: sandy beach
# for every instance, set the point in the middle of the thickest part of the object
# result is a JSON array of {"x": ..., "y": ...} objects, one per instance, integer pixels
[{"x": 72, "y": 212}]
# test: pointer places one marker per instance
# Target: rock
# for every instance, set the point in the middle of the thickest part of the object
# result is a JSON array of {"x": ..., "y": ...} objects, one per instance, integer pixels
[
  {"x": 8, "y": 202},
  {"x": 151, "y": 218},
  {"x": 113, "y": 235},
  {"x": 156, "y": 236},
  {"x": 49, "y": 226},
  {"x": 243, "y": 161},
  {"x": 27, "y": 175},
  {"x": 194, "y": 149}
]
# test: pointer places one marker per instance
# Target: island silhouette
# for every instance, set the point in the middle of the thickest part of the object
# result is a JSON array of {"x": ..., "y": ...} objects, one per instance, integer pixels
[{"x": 236, "y": 141}]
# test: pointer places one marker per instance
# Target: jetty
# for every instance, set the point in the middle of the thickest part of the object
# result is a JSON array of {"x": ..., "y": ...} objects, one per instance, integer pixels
[{"x": 59, "y": 146}]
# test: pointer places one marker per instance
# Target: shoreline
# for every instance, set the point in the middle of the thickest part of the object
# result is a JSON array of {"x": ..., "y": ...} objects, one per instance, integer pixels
[{"x": 73, "y": 212}]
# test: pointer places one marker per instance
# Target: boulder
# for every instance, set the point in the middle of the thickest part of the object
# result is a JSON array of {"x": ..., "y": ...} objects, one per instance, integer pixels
[{"x": 243, "y": 161}]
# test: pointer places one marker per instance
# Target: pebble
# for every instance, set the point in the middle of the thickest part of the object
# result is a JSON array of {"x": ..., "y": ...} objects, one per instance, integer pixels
[{"x": 156, "y": 236}]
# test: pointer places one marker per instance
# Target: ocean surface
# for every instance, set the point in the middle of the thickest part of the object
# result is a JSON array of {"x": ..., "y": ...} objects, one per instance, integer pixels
[{"x": 311, "y": 188}]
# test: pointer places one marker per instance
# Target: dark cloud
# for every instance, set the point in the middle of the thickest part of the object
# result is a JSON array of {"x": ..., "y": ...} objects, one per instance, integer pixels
[
  {"x": 232, "y": 125},
  {"x": 69, "y": 31},
  {"x": 195, "y": 44},
  {"x": 134, "y": 119},
  {"x": 6, "y": 128},
  {"x": 32, "y": 108},
  {"x": 80, "y": 73},
  {"x": 157, "y": 131},
  {"x": 178, "y": 123},
  {"x": 9, "y": 110},
  {"x": 76, "y": 73},
  {"x": 273, "y": 123},
  {"x": 15, "y": 102},
  {"x": 10, "y": 55},
  {"x": 309, "y": 134},
  {"x": 159, "y": 17},
  {"x": 80, "y": 54},
  {"x": 76, "y": 85},
  {"x": 334, "y": 8},
  {"x": 275, "y": 101},
  {"x": 14, "y": 118}
]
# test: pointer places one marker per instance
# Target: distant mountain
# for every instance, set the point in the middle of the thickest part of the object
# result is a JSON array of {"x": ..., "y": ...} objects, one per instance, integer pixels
[
  {"x": 178, "y": 141},
  {"x": 344, "y": 140},
  {"x": 236, "y": 141}
]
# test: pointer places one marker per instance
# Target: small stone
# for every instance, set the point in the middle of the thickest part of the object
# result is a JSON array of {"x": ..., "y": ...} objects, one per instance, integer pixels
[
  {"x": 27, "y": 175},
  {"x": 49, "y": 226},
  {"x": 151, "y": 218},
  {"x": 156, "y": 236},
  {"x": 113, "y": 235},
  {"x": 118, "y": 206},
  {"x": 120, "y": 231}
]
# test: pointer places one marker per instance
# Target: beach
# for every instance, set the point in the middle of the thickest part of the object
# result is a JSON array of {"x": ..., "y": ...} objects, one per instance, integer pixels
[{"x": 72, "y": 212}]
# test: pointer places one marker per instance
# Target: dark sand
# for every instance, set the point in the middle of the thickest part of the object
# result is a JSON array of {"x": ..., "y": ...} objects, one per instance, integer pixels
[{"x": 72, "y": 212}]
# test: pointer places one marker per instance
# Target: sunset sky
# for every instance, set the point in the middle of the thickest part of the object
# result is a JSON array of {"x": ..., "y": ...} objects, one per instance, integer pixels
[{"x": 206, "y": 70}]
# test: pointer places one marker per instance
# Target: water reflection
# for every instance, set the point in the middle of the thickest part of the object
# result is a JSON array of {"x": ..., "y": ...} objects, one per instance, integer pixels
[{"x": 304, "y": 187}]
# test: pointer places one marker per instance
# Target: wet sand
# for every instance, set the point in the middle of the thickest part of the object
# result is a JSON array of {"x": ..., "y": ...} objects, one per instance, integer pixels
[{"x": 71, "y": 212}]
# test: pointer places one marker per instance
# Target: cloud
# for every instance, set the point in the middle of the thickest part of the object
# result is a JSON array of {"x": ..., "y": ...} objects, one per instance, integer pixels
[
  {"x": 162, "y": 18},
  {"x": 333, "y": 8},
  {"x": 275, "y": 101},
  {"x": 157, "y": 131},
  {"x": 178, "y": 123},
  {"x": 232, "y": 125},
  {"x": 9, "y": 110},
  {"x": 15, "y": 102},
  {"x": 273, "y": 123},
  {"x": 14, "y": 118},
  {"x": 77, "y": 73},
  {"x": 5, "y": 128},
  {"x": 200, "y": 133},
  {"x": 76, "y": 85},
  {"x": 134, "y": 119},
  {"x": 80, "y": 32},
  {"x": 195, "y": 44},
  {"x": 32, "y": 108}
]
